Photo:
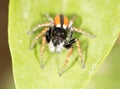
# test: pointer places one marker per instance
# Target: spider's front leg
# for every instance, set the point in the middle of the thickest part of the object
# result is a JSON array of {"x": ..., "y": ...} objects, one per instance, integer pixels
[
  {"x": 69, "y": 46},
  {"x": 42, "y": 51},
  {"x": 43, "y": 44},
  {"x": 66, "y": 61},
  {"x": 80, "y": 52}
]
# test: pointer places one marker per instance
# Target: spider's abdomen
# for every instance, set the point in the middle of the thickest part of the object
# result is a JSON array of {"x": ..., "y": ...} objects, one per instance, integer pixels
[{"x": 61, "y": 21}]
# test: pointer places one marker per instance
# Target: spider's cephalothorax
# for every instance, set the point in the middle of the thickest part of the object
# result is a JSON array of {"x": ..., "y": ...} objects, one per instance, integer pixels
[{"x": 58, "y": 35}]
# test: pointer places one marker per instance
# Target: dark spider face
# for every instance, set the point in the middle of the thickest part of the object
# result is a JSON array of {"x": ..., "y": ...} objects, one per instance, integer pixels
[{"x": 58, "y": 36}]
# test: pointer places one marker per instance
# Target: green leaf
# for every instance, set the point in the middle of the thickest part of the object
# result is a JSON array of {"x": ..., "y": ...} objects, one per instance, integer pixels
[{"x": 98, "y": 17}]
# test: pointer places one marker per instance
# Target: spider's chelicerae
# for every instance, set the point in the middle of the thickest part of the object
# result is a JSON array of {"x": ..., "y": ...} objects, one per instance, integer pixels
[{"x": 58, "y": 35}]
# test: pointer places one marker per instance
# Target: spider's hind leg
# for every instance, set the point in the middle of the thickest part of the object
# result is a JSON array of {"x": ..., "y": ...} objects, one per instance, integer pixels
[
  {"x": 39, "y": 26},
  {"x": 48, "y": 17},
  {"x": 83, "y": 32}
]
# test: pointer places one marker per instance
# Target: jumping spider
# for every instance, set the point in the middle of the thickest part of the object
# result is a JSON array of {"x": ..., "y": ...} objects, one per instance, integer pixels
[{"x": 58, "y": 35}]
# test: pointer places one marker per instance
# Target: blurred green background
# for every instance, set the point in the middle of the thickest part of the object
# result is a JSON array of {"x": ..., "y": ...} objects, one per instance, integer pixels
[{"x": 107, "y": 77}]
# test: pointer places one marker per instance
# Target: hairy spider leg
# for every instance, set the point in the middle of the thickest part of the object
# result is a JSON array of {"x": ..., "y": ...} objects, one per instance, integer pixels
[
  {"x": 66, "y": 61},
  {"x": 37, "y": 37},
  {"x": 80, "y": 53},
  {"x": 71, "y": 22},
  {"x": 83, "y": 32},
  {"x": 48, "y": 17},
  {"x": 39, "y": 26},
  {"x": 42, "y": 51}
]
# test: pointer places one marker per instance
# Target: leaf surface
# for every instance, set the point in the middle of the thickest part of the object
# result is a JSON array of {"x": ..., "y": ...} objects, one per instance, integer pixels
[{"x": 98, "y": 17}]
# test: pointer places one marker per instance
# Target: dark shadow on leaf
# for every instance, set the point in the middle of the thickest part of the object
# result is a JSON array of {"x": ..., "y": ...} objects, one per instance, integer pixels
[
  {"x": 35, "y": 52},
  {"x": 85, "y": 50},
  {"x": 72, "y": 64},
  {"x": 49, "y": 56}
]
